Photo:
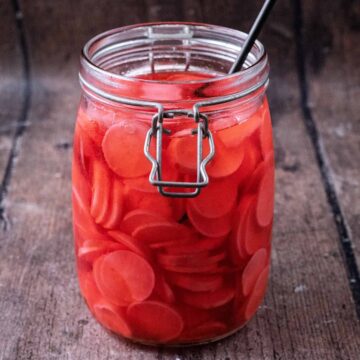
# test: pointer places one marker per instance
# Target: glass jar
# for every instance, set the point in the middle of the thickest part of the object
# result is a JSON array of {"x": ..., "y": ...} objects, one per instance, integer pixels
[{"x": 173, "y": 182}]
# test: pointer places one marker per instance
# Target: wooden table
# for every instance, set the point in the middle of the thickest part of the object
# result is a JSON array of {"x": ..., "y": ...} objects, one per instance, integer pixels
[{"x": 312, "y": 306}]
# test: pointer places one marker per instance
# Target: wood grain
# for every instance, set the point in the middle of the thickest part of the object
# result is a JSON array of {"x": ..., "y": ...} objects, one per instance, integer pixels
[
  {"x": 335, "y": 99},
  {"x": 309, "y": 311},
  {"x": 11, "y": 95}
]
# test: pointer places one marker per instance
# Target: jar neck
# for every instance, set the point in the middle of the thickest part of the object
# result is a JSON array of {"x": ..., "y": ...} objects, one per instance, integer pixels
[{"x": 111, "y": 63}]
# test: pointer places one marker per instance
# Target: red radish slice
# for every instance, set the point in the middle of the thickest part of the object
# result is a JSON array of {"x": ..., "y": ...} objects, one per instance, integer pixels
[
  {"x": 155, "y": 203},
  {"x": 100, "y": 192},
  {"x": 81, "y": 186},
  {"x": 112, "y": 317},
  {"x": 254, "y": 236},
  {"x": 216, "y": 199},
  {"x": 253, "y": 269},
  {"x": 205, "y": 331},
  {"x": 123, "y": 149},
  {"x": 194, "y": 317},
  {"x": 90, "y": 250},
  {"x": 183, "y": 260},
  {"x": 124, "y": 277},
  {"x": 236, "y": 135},
  {"x": 139, "y": 217},
  {"x": 141, "y": 184},
  {"x": 183, "y": 152},
  {"x": 265, "y": 200},
  {"x": 154, "y": 321},
  {"x": 115, "y": 206},
  {"x": 197, "y": 245},
  {"x": 162, "y": 232},
  {"x": 88, "y": 288},
  {"x": 266, "y": 135},
  {"x": 208, "y": 300},
  {"x": 129, "y": 242},
  {"x": 163, "y": 290},
  {"x": 182, "y": 265},
  {"x": 195, "y": 282},
  {"x": 257, "y": 294},
  {"x": 252, "y": 158},
  {"x": 93, "y": 128},
  {"x": 211, "y": 268},
  {"x": 226, "y": 161},
  {"x": 216, "y": 227}
]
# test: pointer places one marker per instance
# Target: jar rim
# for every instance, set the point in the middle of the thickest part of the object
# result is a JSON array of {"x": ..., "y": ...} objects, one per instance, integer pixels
[
  {"x": 85, "y": 54},
  {"x": 107, "y": 63}
]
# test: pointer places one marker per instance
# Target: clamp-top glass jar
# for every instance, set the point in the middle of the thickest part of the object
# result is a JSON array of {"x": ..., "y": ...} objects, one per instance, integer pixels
[{"x": 173, "y": 182}]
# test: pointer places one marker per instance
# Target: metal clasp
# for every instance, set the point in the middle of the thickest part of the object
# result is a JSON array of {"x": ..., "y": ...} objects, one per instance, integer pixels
[{"x": 157, "y": 131}]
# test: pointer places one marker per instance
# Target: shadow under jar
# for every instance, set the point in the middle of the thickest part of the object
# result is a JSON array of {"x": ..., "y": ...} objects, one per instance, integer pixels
[{"x": 162, "y": 269}]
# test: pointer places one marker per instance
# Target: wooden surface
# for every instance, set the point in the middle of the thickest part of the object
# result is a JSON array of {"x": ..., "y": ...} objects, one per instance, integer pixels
[{"x": 313, "y": 302}]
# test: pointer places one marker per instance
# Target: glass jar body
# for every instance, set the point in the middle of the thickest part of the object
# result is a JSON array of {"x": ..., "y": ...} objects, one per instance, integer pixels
[{"x": 162, "y": 270}]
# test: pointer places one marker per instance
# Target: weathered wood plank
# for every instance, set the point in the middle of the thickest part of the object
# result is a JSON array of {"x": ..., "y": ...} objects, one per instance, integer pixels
[
  {"x": 308, "y": 313},
  {"x": 334, "y": 99},
  {"x": 11, "y": 88}
]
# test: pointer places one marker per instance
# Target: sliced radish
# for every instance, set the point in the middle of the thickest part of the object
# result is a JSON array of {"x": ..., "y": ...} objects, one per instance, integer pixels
[
  {"x": 265, "y": 200},
  {"x": 197, "y": 245},
  {"x": 196, "y": 282},
  {"x": 154, "y": 321},
  {"x": 112, "y": 317},
  {"x": 226, "y": 160},
  {"x": 88, "y": 288},
  {"x": 162, "y": 233},
  {"x": 139, "y": 217},
  {"x": 124, "y": 277},
  {"x": 257, "y": 295},
  {"x": 253, "y": 269},
  {"x": 129, "y": 242},
  {"x": 216, "y": 227},
  {"x": 236, "y": 135},
  {"x": 205, "y": 331},
  {"x": 208, "y": 299},
  {"x": 266, "y": 135},
  {"x": 123, "y": 149},
  {"x": 216, "y": 199},
  {"x": 90, "y": 250},
  {"x": 163, "y": 290}
]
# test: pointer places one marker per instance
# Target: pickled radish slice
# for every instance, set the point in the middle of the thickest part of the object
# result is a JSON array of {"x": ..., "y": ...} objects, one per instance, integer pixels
[
  {"x": 141, "y": 184},
  {"x": 197, "y": 245},
  {"x": 209, "y": 299},
  {"x": 265, "y": 200},
  {"x": 129, "y": 242},
  {"x": 90, "y": 250},
  {"x": 254, "y": 236},
  {"x": 205, "y": 331},
  {"x": 253, "y": 269},
  {"x": 252, "y": 158},
  {"x": 182, "y": 260},
  {"x": 154, "y": 321},
  {"x": 257, "y": 295},
  {"x": 139, "y": 217},
  {"x": 112, "y": 317},
  {"x": 124, "y": 277},
  {"x": 183, "y": 152},
  {"x": 123, "y": 149},
  {"x": 234, "y": 136},
  {"x": 266, "y": 135},
  {"x": 156, "y": 203},
  {"x": 216, "y": 199},
  {"x": 212, "y": 268},
  {"x": 162, "y": 232},
  {"x": 93, "y": 128},
  {"x": 163, "y": 290},
  {"x": 216, "y": 227},
  {"x": 181, "y": 263},
  {"x": 89, "y": 289},
  {"x": 195, "y": 282},
  {"x": 226, "y": 160}
]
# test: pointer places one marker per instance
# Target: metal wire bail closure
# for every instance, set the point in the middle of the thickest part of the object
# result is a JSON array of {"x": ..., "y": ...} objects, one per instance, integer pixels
[{"x": 157, "y": 131}]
